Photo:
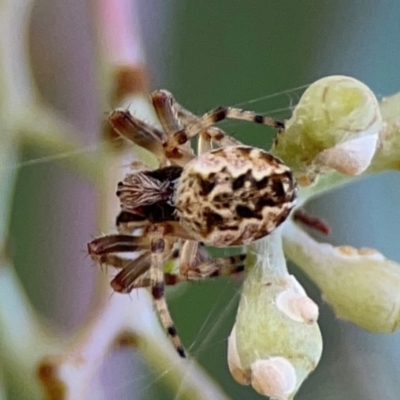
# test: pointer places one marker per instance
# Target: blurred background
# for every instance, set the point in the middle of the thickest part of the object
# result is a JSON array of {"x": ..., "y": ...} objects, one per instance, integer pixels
[{"x": 224, "y": 52}]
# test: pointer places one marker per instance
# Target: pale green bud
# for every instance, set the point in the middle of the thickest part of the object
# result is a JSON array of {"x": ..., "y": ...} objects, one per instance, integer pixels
[
  {"x": 275, "y": 342},
  {"x": 361, "y": 285},
  {"x": 335, "y": 126},
  {"x": 388, "y": 153}
]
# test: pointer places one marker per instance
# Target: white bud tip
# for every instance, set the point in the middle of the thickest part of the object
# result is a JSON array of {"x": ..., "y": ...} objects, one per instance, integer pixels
[
  {"x": 352, "y": 157},
  {"x": 274, "y": 377},
  {"x": 235, "y": 366},
  {"x": 295, "y": 304}
]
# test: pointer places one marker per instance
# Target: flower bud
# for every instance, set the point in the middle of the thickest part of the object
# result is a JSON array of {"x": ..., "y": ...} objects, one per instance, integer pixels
[
  {"x": 335, "y": 126},
  {"x": 275, "y": 342},
  {"x": 387, "y": 155},
  {"x": 361, "y": 285}
]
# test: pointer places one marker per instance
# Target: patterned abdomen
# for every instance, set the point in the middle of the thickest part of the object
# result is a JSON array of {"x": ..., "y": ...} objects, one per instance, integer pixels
[{"x": 234, "y": 195}]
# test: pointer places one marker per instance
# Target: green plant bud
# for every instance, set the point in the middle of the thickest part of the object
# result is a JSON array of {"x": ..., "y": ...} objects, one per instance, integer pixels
[
  {"x": 335, "y": 126},
  {"x": 361, "y": 285},
  {"x": 276, "y": 341},
  {"x": 388, "y": 153}
]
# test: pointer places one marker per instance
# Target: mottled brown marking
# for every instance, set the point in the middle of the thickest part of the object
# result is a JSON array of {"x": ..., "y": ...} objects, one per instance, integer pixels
[
  {"x": 180, "y": 137},
  {"x": 223, "y": 197},
  {"x": 239, "y": 181},
  {"x": 245, "y": 151},
  {"x": 258, "y": 119},
  {"x": 246, "y": 212},
  {"x": 206, "y": 185},
  {"x": 171, "y": 279},
  {"x": 173, "y": 153},
  {"x": 219, "y": 136},
  {"x": 259, "y": 185},
  {"x": 181, "y": 351},
  {"x": 212, "y": 220},
  {"x": 157, "y": 291},
  {"x": 235, "y": 209},
  {"x": 157, "y": 246},
  {"x": 171, "y": 330},
  {"x": 231, "y": 227},
  {"x": 219, "y": 114},
  {"x": 277, "y": 186},
  {"x": 175, "y": 253}
]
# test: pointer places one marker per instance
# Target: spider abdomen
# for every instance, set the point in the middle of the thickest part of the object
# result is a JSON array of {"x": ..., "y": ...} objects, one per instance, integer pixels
[{"x": 234, "y": 195}]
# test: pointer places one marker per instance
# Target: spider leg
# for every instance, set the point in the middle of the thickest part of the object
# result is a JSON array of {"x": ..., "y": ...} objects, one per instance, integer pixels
[
  {"x": 125, "y": 264},
  {"x": 212, "y": 133},
  {"x": 171, "y": 228},
  {"x": 165, "y": 107},
  {"x": 187, "y": 257},
  {"x": 127, "y": 222},
  {"x": 211, "y": 118},
  {"x": 216, "y": 267},
  {"x": 132, "y": 271},
  {"x": 219, "y": 114},
  {"x": 171, "y": 114},
  {"x": 213, "y": 268},
  {"x": 174, "y": 117},
  {"x": 156, "y": 273},
  {"x": 148, "y": 269},
  {"x": 144, "y": 281},
  {"x": 217, "y": 135},
  {"x": 102, "y": 246},
  {"x": 196, "y": 264},
  {"x": 139, "y": 133}
]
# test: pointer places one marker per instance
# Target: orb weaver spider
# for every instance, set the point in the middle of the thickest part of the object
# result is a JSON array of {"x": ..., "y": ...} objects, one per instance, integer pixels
[{"x": 227, "y": 196}]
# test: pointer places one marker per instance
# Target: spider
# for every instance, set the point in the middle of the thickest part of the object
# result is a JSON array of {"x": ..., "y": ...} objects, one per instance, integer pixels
[{"x": 227, "y": 196}]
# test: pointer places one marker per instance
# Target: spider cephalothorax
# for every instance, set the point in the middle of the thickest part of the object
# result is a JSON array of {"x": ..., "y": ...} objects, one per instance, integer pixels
[
  {"x": 227, "y": 196},
  {"x": 146, "y": 192}
]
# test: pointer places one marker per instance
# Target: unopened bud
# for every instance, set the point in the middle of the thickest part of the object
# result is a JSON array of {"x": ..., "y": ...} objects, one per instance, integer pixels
[
  {"x": 296, "y": 304},
  {"x": 240, "y": 375},
  {"x": 335, "y": 126},
  {"x": 274, "y": 377},
  {"x": 361, "y": 285},
  {"x": 276, "y": 342}
]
